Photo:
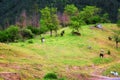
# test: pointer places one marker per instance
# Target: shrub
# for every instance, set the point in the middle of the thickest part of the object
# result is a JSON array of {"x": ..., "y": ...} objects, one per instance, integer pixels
[
  {"x": 43, "y": 29},
  {"x": 12, "y": 33},
  {"x": 33, "y": 29},
  {"x": 94, "y": 20},
  {"x": 3, "y": 36},
  {"x": 118, "y": 23},
  {"x": 26, "y": 33},
  {"x": 50, "y": 76},
  {"x": 30, "y": 41},
  {"x": 108, "y": 52}
]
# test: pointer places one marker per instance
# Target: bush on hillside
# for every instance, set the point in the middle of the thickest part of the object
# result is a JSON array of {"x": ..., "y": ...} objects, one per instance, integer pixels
[
  {"x": 50, "y": 76},
  {"x": 30, "y": 41},
  {"x": 33, "y": 29},
  {"x": 43, "y": 29},
  {"x": 12, "y": 33},
  {"x": 94, "y": 20},
  {"x": 118, "y": 23},
  {"x": 3, "y": 36},
  {"x": 26, "y": 33},
  {"x": 105, "y": 18},
  {"x": 108, "y": 52}
]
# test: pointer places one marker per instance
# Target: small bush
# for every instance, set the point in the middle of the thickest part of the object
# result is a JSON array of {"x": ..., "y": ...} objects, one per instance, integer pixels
[
  {"x": 11, "y": 34},
  {"x": 22, "y": 45},
  {"x": 94, "y": 20},
  {"x": 108, "y": 52},
  {"x": 43, "y": 29},
  {"x": 118, "y": 23},
  {"x": 3, "y": 36},
  {"x": 33, "y": 29},
  {"x": 50, "y": 76},
  {"x": 27, "y": 33},
  {"x": 30, "y": 41}
]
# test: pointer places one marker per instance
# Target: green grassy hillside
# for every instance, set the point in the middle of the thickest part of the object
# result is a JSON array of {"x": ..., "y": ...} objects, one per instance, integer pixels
[{"x": 67, "y": 56}]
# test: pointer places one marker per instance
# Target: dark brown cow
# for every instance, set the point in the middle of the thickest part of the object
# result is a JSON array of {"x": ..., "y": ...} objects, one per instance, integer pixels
[
  {"x": 101, "y": 55},
  {"x": 62, "y": 33},
  {"x": 76, "y": 33}
]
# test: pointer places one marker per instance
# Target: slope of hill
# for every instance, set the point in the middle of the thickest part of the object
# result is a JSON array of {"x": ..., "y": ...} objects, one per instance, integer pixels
[{"x": 67, "y": 56}]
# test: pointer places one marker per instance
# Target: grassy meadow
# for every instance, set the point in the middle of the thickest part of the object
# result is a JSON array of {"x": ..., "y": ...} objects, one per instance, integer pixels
[{"x": 66, "y": 56}]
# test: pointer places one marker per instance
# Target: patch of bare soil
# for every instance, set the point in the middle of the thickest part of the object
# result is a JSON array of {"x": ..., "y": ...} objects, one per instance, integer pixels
[
  {"x": 13, "y": 66},
  {"x": 10, "y": 76}
]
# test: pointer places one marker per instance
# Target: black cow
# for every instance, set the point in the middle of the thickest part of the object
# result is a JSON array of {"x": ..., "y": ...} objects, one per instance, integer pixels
[
  {"x": 76, "y": 33},
  {"x": 109, "y": 38},
  {"x": 62, "y": 33},
  {"x": 101, "y": 55}
]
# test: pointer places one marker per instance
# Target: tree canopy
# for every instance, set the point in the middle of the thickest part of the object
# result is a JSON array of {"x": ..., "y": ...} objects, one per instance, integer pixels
[{"x": 11, "y": 9}]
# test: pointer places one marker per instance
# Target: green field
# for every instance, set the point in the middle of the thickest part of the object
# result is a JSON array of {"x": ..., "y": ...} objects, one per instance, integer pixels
[{"x": 66, "y": 56}]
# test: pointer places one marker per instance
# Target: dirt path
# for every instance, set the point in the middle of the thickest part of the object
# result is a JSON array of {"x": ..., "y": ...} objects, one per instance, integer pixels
[
  {"x": 10, "y": 76},
  {"x": 97, "y": 72},
  {"x": 98, "y": 77}
]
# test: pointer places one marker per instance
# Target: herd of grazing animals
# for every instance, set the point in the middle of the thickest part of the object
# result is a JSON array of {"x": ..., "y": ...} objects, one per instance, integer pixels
[{"x": 101, "y": 54}]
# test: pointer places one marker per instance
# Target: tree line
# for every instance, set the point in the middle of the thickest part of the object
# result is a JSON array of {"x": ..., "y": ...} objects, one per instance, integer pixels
[
  {"x": 52, "y": 20},
  {"x": 11, "y": 9}
]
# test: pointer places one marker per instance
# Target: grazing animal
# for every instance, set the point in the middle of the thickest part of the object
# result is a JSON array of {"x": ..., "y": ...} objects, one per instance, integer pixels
[
  {"x": 42, "y": 39},
  {"x": 62, "y": 33},
  {"x": 114, "y": 73},
  {"x": 101, "y": 55},
  {"x": 76, "y": 33},
  {"x": 99, "y": 26},
  {"x": 89, "y": 47},
  {"x": 109, "y": 38}
]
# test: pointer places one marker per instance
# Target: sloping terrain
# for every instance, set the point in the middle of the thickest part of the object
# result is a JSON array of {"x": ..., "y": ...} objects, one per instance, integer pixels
[{"x": 68, "y": 56}]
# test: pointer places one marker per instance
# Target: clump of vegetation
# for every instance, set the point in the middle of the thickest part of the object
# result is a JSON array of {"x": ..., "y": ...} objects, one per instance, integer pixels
[
  {"x": 33, "y": 29},
  {"x": 105, "y": 18},
  {"x": 108, "y": 52},
  {"x": 118, "y": 16},
  {"x": 50, "y": 76},
  {"x": 22, "y": 45},
  {"x": 30, "y": 41},
  {"x": 118, "y": 23},
  {"x": 27, "y": 33},
  {"x": 90, "y": 14},
  {"x": 116, "y": 37},
  {"x": 10, "y": 34},
  {"x": 3, "y": 36}
]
